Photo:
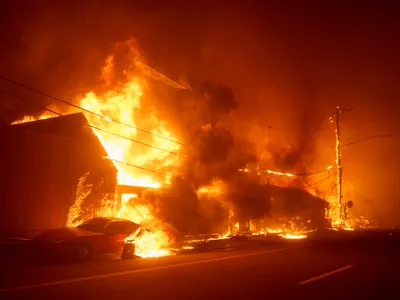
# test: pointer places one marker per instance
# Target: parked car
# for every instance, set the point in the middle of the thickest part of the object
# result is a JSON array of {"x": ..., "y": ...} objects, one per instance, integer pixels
[{"x": 94, "y": 237}]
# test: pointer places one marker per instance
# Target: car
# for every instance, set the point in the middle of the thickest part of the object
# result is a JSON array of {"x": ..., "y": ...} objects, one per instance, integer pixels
[{"x": 92, "y": 238}]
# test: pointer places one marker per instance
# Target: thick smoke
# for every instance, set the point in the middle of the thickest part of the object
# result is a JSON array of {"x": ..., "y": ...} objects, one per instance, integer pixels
[
  {"x": 348, "y": 55},
  {"x": 301, "y": 155},
  {"x": 216, "y": 152},
  {"x": 219, "y": 101}
]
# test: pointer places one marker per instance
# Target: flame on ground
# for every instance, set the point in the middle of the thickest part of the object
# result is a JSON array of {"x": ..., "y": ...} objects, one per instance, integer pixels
[
  {"x": 151, "y": 244},
  {"x": 282, "y": 233},
  {"x": 291, "y": 236}
]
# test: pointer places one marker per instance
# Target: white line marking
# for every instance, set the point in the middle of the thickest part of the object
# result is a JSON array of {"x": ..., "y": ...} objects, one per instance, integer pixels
[
  {"x": 325, "y": 275},
  {"x": 67, "y": 281}
]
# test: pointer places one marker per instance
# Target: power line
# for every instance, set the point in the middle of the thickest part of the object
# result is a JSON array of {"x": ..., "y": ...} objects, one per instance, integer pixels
[
  {"x": 137, "y": 167},
  {"x": 115, "y": 160},
  {"x": 319, "y": 181},
  {"x": 330, "y": 193},
  {"x": 89, "y": 125},
  {"x": 86, "y": 110},
  {"x": 129, "y": 139},
  {"x": 365, "y": 139},
  {"x": 298, "y": 174},
  {"x": 275, "y": 128},
  {"x": 315, "y": 173}
]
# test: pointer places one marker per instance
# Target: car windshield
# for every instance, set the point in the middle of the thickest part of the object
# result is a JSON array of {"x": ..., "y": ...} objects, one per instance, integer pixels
[
  {"x": 122, "y": 227},
  {"x": 95, "y": 225}
]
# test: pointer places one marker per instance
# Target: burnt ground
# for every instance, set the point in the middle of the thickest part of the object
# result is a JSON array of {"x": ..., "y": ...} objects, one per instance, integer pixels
[{"x": 329, "y": 266}]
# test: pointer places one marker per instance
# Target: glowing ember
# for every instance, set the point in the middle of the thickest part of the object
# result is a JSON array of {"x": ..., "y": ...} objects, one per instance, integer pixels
[
  {"x": 246, "y": 170},
  {"x": 187, "y": 247},
  {"x": 83, "y": 189}
]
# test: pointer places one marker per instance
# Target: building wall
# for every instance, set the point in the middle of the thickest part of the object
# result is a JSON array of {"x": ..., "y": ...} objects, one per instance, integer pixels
[
  {"x": 40, "y": 174},
  {"x": 37, "y": 182}
]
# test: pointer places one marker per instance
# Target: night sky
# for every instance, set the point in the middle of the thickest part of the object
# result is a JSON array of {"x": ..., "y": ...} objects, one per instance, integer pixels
[{"x": 289, "y": 66}]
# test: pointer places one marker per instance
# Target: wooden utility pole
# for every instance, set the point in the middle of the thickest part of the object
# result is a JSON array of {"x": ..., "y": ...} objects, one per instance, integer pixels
[{"x": 339, "y": 170}]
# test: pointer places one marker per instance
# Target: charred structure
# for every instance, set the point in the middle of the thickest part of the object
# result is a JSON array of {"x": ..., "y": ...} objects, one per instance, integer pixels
[{"x": 258, "y": 206}]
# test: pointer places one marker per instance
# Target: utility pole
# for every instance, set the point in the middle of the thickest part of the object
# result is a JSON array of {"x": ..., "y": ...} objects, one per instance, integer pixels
[{"x": 339, "y": 170}]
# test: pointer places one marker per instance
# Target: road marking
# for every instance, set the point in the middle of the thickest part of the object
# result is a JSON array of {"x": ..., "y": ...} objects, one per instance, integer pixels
[
  {"x": 325, "y": 275},
  {"x": 67, "y": 281}
]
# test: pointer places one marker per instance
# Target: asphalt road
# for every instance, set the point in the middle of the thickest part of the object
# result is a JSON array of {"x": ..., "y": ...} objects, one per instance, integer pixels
[{"x": 303, "y": 269}]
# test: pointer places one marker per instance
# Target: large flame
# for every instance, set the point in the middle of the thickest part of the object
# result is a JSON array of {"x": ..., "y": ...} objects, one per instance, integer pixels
[
  {"x": 121, "y": 105},
  {"x": 152, "y": 243},
  {"x": 115, "y": 116}
]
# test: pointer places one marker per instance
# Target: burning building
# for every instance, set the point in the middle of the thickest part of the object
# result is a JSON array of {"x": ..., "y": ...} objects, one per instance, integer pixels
[
  {"x": 303, "y": 210},
  {"x": 44, "y": 163},
  {"x": 245, "y": 204},
  {"x": 261, "y": 206}
]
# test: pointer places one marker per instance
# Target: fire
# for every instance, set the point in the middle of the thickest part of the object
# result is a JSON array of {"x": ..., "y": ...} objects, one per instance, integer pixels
[
  {"x": 274, "y": 230},
  {"x": 247, "y": 170},
  {"x": 151, "y": 243},
  {"x": 293, "y": 236},
  {"x": 216, "y": 188},
  {"x": 119, "y": 117},
  {"x": 280, "y": 173},
  {"x": 25, "y": 119},
  {"x": 282, "y": 233},
  {"x": 121, "y": 104}
]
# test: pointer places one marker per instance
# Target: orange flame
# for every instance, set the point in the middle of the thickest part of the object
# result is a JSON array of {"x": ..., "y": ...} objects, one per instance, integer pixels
[
  {"x": 121, "y": 105},
  {"x": 293, "y": 236},
  {"x": 26, "y": 119},
  {"x": 124, "y": 104}
]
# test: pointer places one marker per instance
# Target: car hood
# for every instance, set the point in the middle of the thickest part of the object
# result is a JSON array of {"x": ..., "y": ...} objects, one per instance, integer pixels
[{"x": 63, "y": 234}]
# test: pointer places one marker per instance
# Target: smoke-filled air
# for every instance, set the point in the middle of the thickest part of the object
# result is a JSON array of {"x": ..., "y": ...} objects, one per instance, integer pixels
[{"x": 206, "y": 108}]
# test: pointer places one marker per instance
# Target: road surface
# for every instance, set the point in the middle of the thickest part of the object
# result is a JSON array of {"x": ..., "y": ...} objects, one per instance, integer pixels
[{"x": 300, "y": 269}]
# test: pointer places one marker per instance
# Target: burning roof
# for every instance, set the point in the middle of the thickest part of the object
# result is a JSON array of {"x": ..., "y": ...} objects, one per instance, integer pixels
[{"x": 70, "y": 126}]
